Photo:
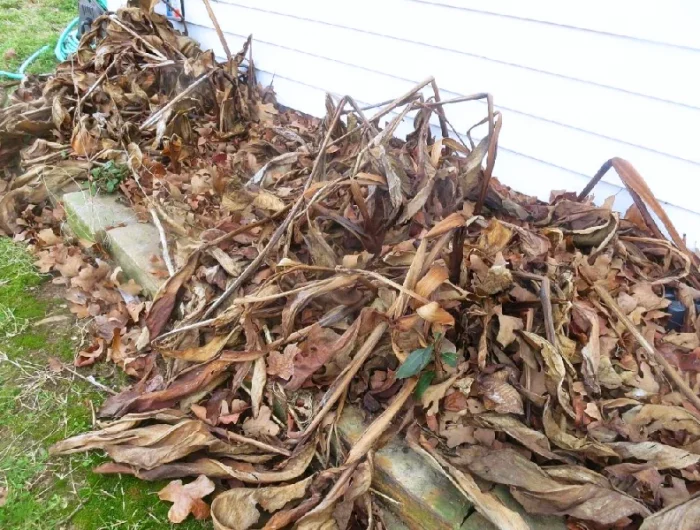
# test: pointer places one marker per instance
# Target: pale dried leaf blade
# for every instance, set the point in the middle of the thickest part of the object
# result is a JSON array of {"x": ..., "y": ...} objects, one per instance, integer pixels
[{"x": 237, "y": 508}]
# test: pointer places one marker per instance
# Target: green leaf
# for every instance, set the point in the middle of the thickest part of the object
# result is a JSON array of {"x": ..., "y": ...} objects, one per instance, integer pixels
[
  {"x": 415, "y": 362},
  {"x": 449, "y": 358},
  {"x": 424, "y": 382}
]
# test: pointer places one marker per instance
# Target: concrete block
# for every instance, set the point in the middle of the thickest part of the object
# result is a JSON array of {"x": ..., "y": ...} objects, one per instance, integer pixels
[
  {"x": 104, "y": 219},
  {"x": 132, "y": 247},
  {"x": 390, "y": 519},
  {"x": 426, "y": 500},
  {"x": 535, "y": 522},
  {"x": 90, "y": 216}
]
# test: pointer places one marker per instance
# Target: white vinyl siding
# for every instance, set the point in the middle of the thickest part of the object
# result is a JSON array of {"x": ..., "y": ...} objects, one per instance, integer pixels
[{"x": 577, "y": 83}]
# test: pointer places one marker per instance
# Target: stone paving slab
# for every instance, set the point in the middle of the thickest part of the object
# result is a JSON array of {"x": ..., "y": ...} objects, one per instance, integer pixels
[
  {"x": 427, "y": 499},
  {"x": 104, "y": 219},
  {"x": 133, "y": 246},
  {"x": 89, "y": 216}
]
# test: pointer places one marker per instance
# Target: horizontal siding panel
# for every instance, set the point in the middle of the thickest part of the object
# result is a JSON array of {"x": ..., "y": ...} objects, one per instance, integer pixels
[
  {"x": 655, "y": 70},
  {"x": 672, "y": 22},
  {"x": 607, "y": 112},
  {"x": 565, "y": 147}
]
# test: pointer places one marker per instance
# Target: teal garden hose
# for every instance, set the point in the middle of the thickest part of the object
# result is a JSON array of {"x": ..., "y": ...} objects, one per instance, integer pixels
[{"x": 20, "y": 73}]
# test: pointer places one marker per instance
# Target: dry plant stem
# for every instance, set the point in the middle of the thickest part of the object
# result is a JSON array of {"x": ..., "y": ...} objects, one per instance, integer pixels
[
  {"x": 412, "y": 276},
  {"x": 648, "y": 220},
  {"x": 379, "y": 425},
  {"x": 153, "y": 118},
  {"x": 131, "y": 32},
  {"x": 379, "y": 277},
  {"x": 163, "y": 241},
  {"x": 251, "y": 441},
  {"x": 683, "y": 257},
  {"x": 91, "y": 380},
  {"x": 362, "y": 116},
  {"x": 281, "y": 229},
  {"x": 98, "y": 82},
  {"x": 440, "y": 111},
  {"x": 245, "y": 228},
  {"x": 457, "y": 255},
  {"x": 546, "y": 299},
  {"x": 642, "y": 195},
  {"x": 220, "y": 33},
  {"x": 337, "y": 389},
  {"x": 491, "y": 158},
  {"x": 435, "y": 251},
  {"x": 494, "y": 130},
  {"x": 327, "y": 320},
  {"x": 401, "y": 100},
  {"x": 669, "y": 370}
]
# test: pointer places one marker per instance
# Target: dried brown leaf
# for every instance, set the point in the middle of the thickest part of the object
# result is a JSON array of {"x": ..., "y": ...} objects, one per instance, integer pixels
[
  {"x": 164, "y": 300},
  {"x": 539, "y": 493},
  {"x": 435, "y": 314},
  {"x": 499, "y": 395},
  {"x": 506, "y": 326},
  {"x": 257, "y": 385},
  {"x": 682, "y": 516},
  {"x": 236, "y": 509},
  {"x": 262, "y": 425},
  {"x": 661, "y": 456},
  {"x": 187, "y": 499}
]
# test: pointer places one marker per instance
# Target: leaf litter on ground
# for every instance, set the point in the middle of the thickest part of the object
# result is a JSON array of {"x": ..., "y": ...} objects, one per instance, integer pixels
[{"x": 322, "y": 264}]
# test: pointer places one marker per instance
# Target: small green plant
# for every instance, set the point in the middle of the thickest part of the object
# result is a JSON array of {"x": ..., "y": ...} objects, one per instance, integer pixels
[
  {"x": 420, "y": 358},
  {"x": 107, "y": 178}
]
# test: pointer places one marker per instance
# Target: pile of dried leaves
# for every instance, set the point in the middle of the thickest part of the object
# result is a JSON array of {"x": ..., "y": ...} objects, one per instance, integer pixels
[{"x": 327, "y": 264}]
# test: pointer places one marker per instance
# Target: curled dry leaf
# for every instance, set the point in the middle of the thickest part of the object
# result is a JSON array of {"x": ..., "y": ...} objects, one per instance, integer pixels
[
  {"x": 661, "y": 456},
  {"x": 590, "y": 353},
  {"x": 435, "y": 314},
  {"x": 282, "y": 364},
  {"x": 506, "y": 326},
  {"x": 534, "y": 440},
  {"x": 485, "y": 503},
  {"x": 498, "y": 278},
  {"x": 433, "y": 394},
  {"x": 499, "y": 395},
  {"x": 262, "y": 425},
  {"x": 187, "y": 499},
  {"x": 164, "y": 301},
  {"x": 561, "y": 438},
  {"x": 542, "y": 494},
  {"x": 682, "y": 516},
  {"x": 143, "y": 447},
  {"x": 237, "y": 508},
  {"x": 199, "y": 354},
  {"x": 655, "y": 417},
  {"x": 555, "y": 370},
  {"x": 257, "y": 386}
]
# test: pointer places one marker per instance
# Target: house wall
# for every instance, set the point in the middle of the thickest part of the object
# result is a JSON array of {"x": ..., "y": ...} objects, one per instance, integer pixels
[{"x": 576, "y": 84}]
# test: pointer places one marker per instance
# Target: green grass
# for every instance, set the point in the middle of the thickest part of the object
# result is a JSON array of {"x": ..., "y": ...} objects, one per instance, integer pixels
[
  {"x": 39, "y": 407},
  {"x": 27, "y": 25}
]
